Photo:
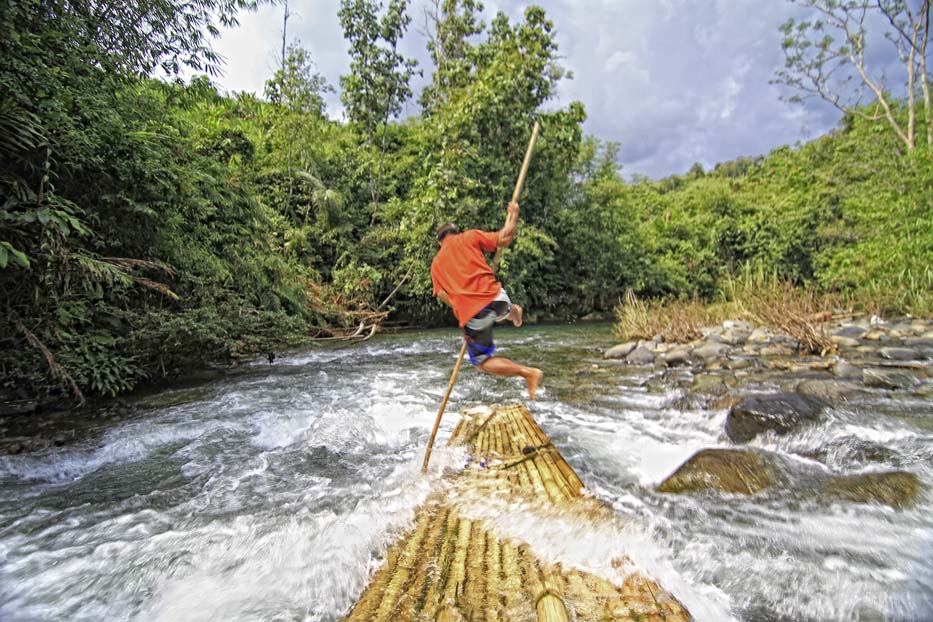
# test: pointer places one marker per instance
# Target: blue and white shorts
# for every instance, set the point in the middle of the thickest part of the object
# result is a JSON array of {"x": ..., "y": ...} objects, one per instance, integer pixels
[{"x": 478, "y": 330}]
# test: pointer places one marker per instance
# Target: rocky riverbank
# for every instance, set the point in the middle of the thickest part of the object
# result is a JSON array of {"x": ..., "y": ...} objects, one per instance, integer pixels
[{"x": 770, "y": 389}]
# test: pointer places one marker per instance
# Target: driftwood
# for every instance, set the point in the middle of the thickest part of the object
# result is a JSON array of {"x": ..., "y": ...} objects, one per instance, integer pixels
[{"x": 455, "y": 566}]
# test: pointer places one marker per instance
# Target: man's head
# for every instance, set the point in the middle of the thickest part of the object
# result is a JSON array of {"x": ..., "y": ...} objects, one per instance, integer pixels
[{"x": 446, "y": 229}]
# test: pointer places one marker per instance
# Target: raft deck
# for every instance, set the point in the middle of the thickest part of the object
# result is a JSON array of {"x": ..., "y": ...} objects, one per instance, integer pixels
[{"x": 454, "y": 568}]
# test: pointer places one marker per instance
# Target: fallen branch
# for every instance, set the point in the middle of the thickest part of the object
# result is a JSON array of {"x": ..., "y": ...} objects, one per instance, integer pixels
[{"x": 57, "y": 371}]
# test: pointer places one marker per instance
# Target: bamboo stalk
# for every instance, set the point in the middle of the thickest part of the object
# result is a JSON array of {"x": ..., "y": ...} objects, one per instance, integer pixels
[
  {"x": 475, "y": 577},
  {"x": 521, "y": 182},
  {"x": 493, "y": 596},
  {"x": 457, "y": 575},
  {"x": 399, "y": 578},
  {"x": 436, "y": 581},
  {"x": 440, "y": 412},
  {"x": 430, "y": 552}
]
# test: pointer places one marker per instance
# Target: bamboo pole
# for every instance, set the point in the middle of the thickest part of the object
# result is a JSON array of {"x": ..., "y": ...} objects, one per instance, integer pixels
[
  {"x": 521, "y": 182},
  {"x": 440, "y": 412}
]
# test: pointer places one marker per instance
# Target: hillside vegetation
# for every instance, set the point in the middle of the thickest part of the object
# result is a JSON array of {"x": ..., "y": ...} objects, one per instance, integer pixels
[{"x": 148, "y": 227}]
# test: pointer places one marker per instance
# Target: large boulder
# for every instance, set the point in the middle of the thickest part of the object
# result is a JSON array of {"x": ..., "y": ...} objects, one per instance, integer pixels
[
  {"x": 888, "y": 378},
  {"x": 749, "y": 472},
  {"x": 895, "y": 488},
  {"x": 739, "y": 471},
  {"x": 710, "y": 350},
  {"x": 898, "y": 354},
  {"x": 829, "y": 391},
  {"x": 620, "y": 351},
  {"x": 679, "y": 355},
  {"x": 642, "y": 355},
  {"x": 781, "y": 412}
]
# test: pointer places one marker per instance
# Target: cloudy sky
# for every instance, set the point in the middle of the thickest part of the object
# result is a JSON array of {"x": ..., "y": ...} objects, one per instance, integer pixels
[{"x": 673, "y": 81}]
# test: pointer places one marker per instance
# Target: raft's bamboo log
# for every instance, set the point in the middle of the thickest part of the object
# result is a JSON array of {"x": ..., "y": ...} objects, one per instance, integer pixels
[
  {"x": 430, "y": 550},
  {"x": 573, "y": 480},
  {"x": 551, "y": 487},
  {"x": 512, "y": 585},
  {"x": 550, "y": 608},
  {"x": 493, "y": 567},
  {"x": 457, "y": 574},
  {"x": 475, "y": 576},
  {"x": 437, "y": 580},
  {"x": 410, "y": 552}
]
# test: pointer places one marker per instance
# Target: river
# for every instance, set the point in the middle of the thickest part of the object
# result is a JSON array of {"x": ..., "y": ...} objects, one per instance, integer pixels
[{"x": 271, "y": 493}]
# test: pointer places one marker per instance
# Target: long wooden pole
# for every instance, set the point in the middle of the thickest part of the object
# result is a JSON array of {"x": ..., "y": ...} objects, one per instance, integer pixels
[
  {"x": 440, "y": 412},
  {"x": 495, "y": 264},
  {"x": 520, "y": 183}
]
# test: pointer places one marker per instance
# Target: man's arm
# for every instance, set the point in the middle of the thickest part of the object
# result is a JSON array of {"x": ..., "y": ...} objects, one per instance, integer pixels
[{"x": 507, "y": 232}]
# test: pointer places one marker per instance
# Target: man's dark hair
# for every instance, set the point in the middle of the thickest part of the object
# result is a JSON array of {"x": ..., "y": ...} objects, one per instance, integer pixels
[{"x": 446, "y": 229}]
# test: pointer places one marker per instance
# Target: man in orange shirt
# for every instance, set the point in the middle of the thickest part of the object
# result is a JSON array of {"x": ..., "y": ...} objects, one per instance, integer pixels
[{"x": 465, "y": 282}]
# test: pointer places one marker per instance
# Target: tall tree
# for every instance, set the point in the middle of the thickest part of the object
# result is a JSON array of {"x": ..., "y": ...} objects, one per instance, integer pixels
[
  {"x": 820, "y": 64},
  {"x": 449, "y": 25},
  {"x": 378, "y": 83}
]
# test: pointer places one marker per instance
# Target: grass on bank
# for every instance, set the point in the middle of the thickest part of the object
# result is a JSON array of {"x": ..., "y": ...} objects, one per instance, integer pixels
[{"x": 753, "y": 295}]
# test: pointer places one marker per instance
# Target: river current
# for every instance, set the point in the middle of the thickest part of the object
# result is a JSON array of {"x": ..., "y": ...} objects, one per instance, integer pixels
[{"x": 271, "y": 494}]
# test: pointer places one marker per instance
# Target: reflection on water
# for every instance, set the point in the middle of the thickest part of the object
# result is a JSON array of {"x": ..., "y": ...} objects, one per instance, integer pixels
[{"x": 271, "y": 494}]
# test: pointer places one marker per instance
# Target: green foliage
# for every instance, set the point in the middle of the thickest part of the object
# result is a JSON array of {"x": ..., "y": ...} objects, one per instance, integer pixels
[{"x": 149, "y": 227}]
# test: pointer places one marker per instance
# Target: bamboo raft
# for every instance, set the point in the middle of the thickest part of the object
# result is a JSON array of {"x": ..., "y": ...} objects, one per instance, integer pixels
[{"x": 455, "y": 567}]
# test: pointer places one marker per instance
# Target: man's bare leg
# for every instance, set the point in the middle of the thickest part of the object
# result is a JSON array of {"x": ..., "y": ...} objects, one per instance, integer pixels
[{"x": 501, "y": 366}]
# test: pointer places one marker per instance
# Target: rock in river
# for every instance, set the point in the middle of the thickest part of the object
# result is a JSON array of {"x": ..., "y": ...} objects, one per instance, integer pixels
[
  {"x": 739, "y": 471},
  {"x": 748, "y": 472},
  {"x": 829, "y": 391},
  {"x": 620, "y": 351},
  {"x": 781, "y": 412},
  {"x": 888, "y": 378}
]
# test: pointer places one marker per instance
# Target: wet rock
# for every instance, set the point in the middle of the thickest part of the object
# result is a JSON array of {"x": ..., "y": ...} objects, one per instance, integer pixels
[
  {"x": 829, "y": 391},
  {"x": 739, "y": 362},
  {"x": 888, "y": 378},
  {"x": 845, "y": 342},
  {"x": 640, "y": 356},
  {"x": 708, "y": 383},
  {"x": 780, "y": 412},
  {"x": 677, "y": 356},
  {"x": 842, "y": 369},
  {"x": 919, "y": 342},
  {"x": 709, "y": 350},
  {"x": 738, "y": 325},
  {"x": 844, "y": 451},
  {"x": 749, "y": 472},
  {"x": 898, "y": 489},
  {"x": 734, "y": 336},
  {"x": 849, "y": 331},
  {"x": 760, "y": 335},
  {"x": 620, "y": 351},
  {"x": 776, "y": 350},
  {"x": 877, "y": 334},
  {"x": 738, "y": 471},
  {"x": 898, "y": 354}
]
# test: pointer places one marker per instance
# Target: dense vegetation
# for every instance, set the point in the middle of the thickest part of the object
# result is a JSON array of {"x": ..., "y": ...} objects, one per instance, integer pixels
[{"x": 149, "y": 226}]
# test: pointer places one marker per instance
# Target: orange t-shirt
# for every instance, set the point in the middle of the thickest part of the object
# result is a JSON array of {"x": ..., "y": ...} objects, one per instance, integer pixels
[{"x": 460, "y": 269}]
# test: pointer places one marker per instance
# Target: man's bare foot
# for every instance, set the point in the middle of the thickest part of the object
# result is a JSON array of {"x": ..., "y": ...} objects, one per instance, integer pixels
[
  {"x": 533, "y": 380},
  {"x": 516, "y": 315}
]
